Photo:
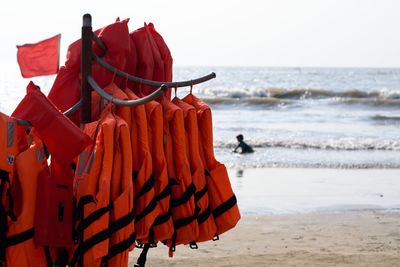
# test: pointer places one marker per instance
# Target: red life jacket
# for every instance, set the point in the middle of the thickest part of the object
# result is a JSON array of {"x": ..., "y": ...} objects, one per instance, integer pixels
[
  {"x": 207, "y": 227},
  {"x": 92, "y": 193},
  {"x": 146, "y": 209},
  {"x": 21, "y": 248},
  {"x": 163, "y": 227},
  {"x": 183, "y": 209},
  {"x": 222, "y": 199}
]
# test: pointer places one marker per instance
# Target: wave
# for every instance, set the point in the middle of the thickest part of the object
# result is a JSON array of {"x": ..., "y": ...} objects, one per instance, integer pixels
[
  {"x": 284, "y": 97},
  {"x": 348, "y": 145},
  {"x": 382, "y": 118},
  {"x": 297, "y": 93}
]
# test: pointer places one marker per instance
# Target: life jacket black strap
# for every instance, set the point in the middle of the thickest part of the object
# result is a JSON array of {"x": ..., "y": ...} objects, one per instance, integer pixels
[
  {"x": 85, "y": 245},
  {"x": 163, "y": 218},
  {"x": 47, "y": 255},
  {"x": 164, "y": 193},
  {"x": 224, "y": 207},
  {"x": 184, "y": 221},
  {"x": 120, "y": 247},
  {"x": 147, "y": 210},
  {"x": 92, "y": 217},
  {"x": 199, "y": 194},
  {"x": 141, "y": 262},
  {"x": 202, "y": 217},
  {"x": 20, "y": 237},
  {"x": 190, "y": 191},
  {"x": 147, "y": 186},
  {"x": 5, "y": 179}
]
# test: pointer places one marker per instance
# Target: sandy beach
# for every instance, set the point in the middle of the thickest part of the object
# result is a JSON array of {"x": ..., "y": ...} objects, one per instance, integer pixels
[
  {"x": 354, "y": 238},
  {"x": 304, "y": 217}
]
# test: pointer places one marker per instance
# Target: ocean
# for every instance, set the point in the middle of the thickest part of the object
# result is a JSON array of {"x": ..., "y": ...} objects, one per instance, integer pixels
[
  {"x": 293, "y": 117},
  {"x": 303, "y": 117}
]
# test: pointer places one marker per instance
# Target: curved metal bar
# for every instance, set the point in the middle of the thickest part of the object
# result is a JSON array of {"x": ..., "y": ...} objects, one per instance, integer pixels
[
  {"x": 74, "y": 108},
  {"x": 130, "y": 103},
  {"x": 99, "y": 42},
  {"x": 150, "y": 82}
]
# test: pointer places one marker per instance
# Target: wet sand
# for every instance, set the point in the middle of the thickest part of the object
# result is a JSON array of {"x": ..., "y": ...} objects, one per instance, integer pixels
[
  {"x": 351, "y": 238},
  {"x": 333, "y": 217}
]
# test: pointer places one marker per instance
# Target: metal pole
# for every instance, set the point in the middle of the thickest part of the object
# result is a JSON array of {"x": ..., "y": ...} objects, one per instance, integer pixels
[{"x": 86, "y": 69}]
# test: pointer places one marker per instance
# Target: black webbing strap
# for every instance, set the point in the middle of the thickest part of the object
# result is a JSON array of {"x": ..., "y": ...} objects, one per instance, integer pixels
[
  {"x": 84, "y": 246},
  {"x": 141, "y": 262},
  {"x": 5, "y": 179},
  {"x": 184, "y": 221},
  {"x": 81, "y": 203},
  {"x": 224, "y": 207},
  {"x": 149, "y": 208},
  {"x": 47, "y": 255},
  {"x": 147, "y": 186},
  {"x": 199, "y": 194},
  {"x": 3, "y": 233},
  {"x": 202, "y": 217},
  {"x": 165, "y": 193},
  {"x": 19, "y": 238},
  {"x": 92, "y": 217},
  {"x": 190, "y": 191},
  {"x": 120, "y": 247},
  {"x": 163, "y": 218}
]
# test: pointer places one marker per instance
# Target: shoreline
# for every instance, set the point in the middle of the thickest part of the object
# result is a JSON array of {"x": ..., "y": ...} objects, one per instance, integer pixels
[{"x": 351, "y": 238}]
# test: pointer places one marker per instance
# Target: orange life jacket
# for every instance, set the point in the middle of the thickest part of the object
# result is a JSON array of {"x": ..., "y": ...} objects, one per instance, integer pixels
[
  {"x": 146, "y": 209},
  {"x": 122, "y": 215},
  {"x": 21, "y": 249},
  {"x": 163, "y": 227},
  {"x": 222, "y": 199},
  {"x": 207, "y": 227},
  {"x": 92, "y": 192},
  {"x": 99, "y": 103},
  {"x": 12, "y": 142},
  {"x": 184, "y": 212}
]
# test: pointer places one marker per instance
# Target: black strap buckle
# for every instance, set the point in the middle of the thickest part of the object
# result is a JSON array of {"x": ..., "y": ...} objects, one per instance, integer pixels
[{"x": 193, "y": 245}]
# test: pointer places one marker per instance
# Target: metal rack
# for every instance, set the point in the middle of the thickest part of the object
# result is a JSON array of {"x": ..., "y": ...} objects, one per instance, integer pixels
[{"x": 88, "y": 83}]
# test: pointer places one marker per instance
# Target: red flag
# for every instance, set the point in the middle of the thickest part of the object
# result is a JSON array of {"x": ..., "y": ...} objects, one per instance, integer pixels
[{"x": 39, "y": 59}]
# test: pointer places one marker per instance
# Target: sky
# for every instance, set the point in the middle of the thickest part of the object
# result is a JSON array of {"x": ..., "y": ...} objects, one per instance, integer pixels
[{"x": 293, "y": 33}]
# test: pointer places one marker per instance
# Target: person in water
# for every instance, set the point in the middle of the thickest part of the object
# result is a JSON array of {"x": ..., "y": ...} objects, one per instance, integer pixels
[{"x": 245, "y": 148}]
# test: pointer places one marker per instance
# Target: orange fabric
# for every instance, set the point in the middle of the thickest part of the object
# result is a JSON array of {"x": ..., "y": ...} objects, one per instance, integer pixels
[
  {"x": 92, "y": 183},
  {"x": 122, "y": 111},
  {"x": 121, "y": 196},
  {"x": 163, "y": 227},
  {"x": 146, "y": 209},
  {"x": 219, "y": 187},
  {"x": 39, "y": 59},
  {"x": 63, "y": 139},
  {"x": 165, "y": 55},
  {"x": 182, "y": 203},
  {"x": 12, "y": 142},
  {"x": 30, "y": 165},
  {"x": 207, "y": 227}
]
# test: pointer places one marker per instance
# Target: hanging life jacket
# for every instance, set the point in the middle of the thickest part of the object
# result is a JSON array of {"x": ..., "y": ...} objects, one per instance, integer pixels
[
  {"x": 21, "y": 249},
  {"x": 64, "y": 140},
  {"x": 222, "y": 199},
  {"x": 183, "y": 209},
  {"x": 92, "y": 194},
  {"x": 12, "y": 142},
  {"x": 122, "y": 233},
  {"x": 162, "y": 228},
  {"x": 146, "y": 209},
  {"x": 207, "y": 227}
]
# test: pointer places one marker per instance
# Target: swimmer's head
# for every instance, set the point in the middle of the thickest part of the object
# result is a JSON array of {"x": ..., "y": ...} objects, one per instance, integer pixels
[{"x": 239, "y": 137}]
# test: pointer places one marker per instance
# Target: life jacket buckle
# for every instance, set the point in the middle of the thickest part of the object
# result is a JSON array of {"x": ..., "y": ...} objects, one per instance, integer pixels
[
  {"x": 193, "y": 245},
  {"x": 215, "y": 238}
]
